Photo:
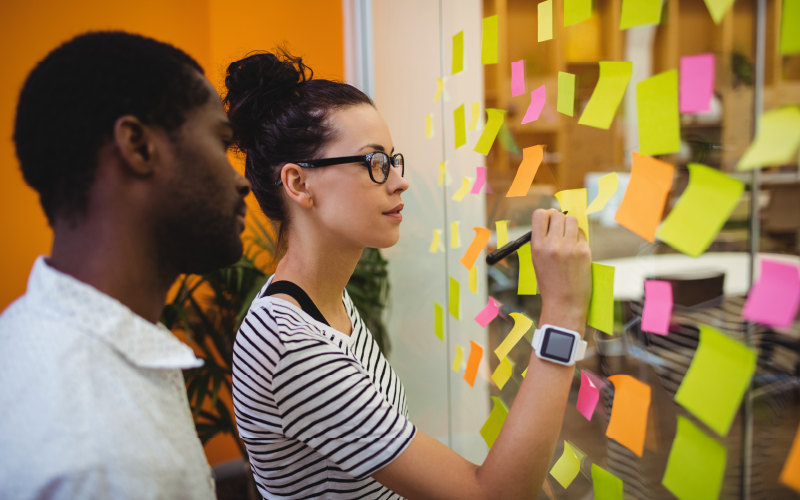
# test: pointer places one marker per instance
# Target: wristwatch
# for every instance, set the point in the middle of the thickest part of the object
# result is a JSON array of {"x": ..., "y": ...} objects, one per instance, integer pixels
[{"x": 558, "y": 345}]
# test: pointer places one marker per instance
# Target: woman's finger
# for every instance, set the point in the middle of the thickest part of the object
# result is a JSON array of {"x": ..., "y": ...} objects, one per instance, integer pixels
[
  {"x": 571, "y": 229},
  {"x": 539, "y": 223},
  {"x": 557, "y": 220}
]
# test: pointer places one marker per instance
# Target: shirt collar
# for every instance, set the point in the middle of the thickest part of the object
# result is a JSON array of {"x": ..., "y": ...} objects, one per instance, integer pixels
[{"x": 85, "y": 308}]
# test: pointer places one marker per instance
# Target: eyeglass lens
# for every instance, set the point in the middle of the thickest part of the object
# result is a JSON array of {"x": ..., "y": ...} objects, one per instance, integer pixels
[{"x": 380, "y": 164}]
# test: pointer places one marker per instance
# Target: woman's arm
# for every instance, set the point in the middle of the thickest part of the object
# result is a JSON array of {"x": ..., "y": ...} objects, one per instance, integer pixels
[{"x": 517, "y": 463}]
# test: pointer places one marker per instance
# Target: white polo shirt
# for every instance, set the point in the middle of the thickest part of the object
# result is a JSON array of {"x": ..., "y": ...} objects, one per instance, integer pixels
[{"x": 92, "y": 399}]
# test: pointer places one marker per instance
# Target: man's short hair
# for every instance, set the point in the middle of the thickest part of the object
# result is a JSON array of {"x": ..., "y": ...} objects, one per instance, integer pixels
[{"x": 73, "y": 97}]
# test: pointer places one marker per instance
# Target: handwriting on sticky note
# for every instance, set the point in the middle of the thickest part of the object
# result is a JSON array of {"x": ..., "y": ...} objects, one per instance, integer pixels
[
  {"x": 522, "y": 324},
  {"x": 696, "y": 464},
  {"x": 628, "y": 422},
  {"x": 639, "y": 12},
  {"x": 475, "y": 114},
  {"x": 717, "y": 379},
  {"x": 602, "y": 106},
  {"x": 480, "y": 172},
  {"x": 607, "y": 486},
  {"x": 566, "y": 93},
  {"x": 491, "y": 429},
  {"x": 774, "y": 298},
  {"x": 644, "y": 199},
  {"x": 439, "y": 88},
  {"x": 428, "y": 126},
  {"x": 458, "y": 53},
  {"x": 657, "y": 306},
  {"x": 473, "y": 279},
  {"x": 454, "y": 305},
  {"x": 488, "y": 313},
  {"x": 455, "y": 240},
  {"x": 493, "y": 124},
  {"x": 545, "y": 17},
  {"x": 657, "y": 112},
  {"x": 697, "y": 83},
  {"x": 502, "y": 373},
  {"x": 460, "y": 126},
  {"x": 435, "y": 244},
  {"x": 588, "y": 396},
  {"x": 473, "y": 362},
  {"x": 601, "y": 306},
  {"x": 526, "y": 283},
  {"x": 438, "y": 320},
  {"x": 489, "y": 40},
  {"x": 501, "y": 228},
  {"x": 567, "y": 467},
  {"x": 790, "y": 35},
  {"x": 576, "y": 11},
  {"x": 518, "y": 77},
  {"x": 463, "y": 190},
  {"x": 531, "y": 159},
  {"x": 790, "y": 474},
  {"x": 607, "y": 187},
  {"x": 574, "y": 202},
  {"x": 458, "y": 360},
  {"x": 538, "y": 98},
  {"x": 701, "y": 211},
  {"x": 718, "y": 8},
  {"x": 777, "y": 139}
]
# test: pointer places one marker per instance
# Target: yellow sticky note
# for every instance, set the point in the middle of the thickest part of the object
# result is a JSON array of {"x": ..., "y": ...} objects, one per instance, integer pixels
[
  {"x": 639, "y": 12},
  {"x": 657, "y": 111},
  {"x": 790, "y": 474},
  {"x": 696, "y": 464},
  {"x": 531, "y": 159},
  {"x": 701, "y": 211},
  {"x": 777, "y": 139},
  {"x": 473, "y": 279},
  {"x": 458, "y": 53},
  {"x": 607, "y": 186},
  {"x": 428, "y": 126},
  {"x": 475, "y": 115},
  {"x": 718, "y": 8},
  {"x": 441, "y": 173},
  {"x": 438, "y": 320},
  {"x": 437, "y": 236},
  {"x": 566, "y": 93},
  {"x": 459, "y": 359},
  {"x": 439, "y": 88},
  {"x": 501, "y": 229},
  {"x": 495, "y": 121},
  {"x": 489, "y": 40},
  {"x": 491, "y": 429},
  {"x": 522, "y": 324},
  {"x": 502, "y": 373},
  {"x": 545, "y": 20},
  {"x": 601, "y": 307},
  {"x": 567, "y": 467},
  {"x": 607, "y": 486},
  {"x": 463, "y": 190},
  {"x": 460, "y": 127},
  {"x": 602, "y": 106},
  {"x": 790, "y": 37},
  {"x": 454, "y": 305},
  {"x": 526, "y": 284},
  {"x": 524, "y": 373},
  {"x": 628, "y": 422},
  {"x": 455, "y": 240},
  {"x": 576, "y": 11},
  {"x": 573, "y": 201}
]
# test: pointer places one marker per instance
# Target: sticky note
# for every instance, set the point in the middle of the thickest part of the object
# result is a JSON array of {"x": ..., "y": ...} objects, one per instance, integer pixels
[
  {"x": 607, "y": 187},
  {"x": 501, "y": 228},
  {"x": 458, "y": 359},
  {"x": 480, "y": 173},
  {"x": 495, "y": 121},
  {"x": 458, "y": 53},
  {"x": 574, "y": 202},
  {"x": 607, "y": 486},
  {"x": 576, "y": 11},
  {"x": 441, "y": 173},
  {"x": 506, "y": 140},
  {"x": 502, "y": 373},
  {"x": 455, "y": 240},
  {"x": 538, "y": 99},
  {"x": 488, "y": 313},
  {"x": 701, "y": 211},
  {"x": 460, "y": 126},
  {"x": 489, "y": 40},
  {"x": 628, "y": 421},
  {"x": 644, "y": 199},
  {"x": 438, "y": 320},
  {"x": 491, "y": 429},
  {"x": 588, "y": 396},
  {"x": 428, "y": 126},
  {"x": 455, "y": 298},
  {"x": 567, "y": 467},
  {"x": 437, "y": 236},
  {"x": 657, "y": 112},
  {"x": 790, "y": 474},
  {"x": 531, "y": 159},
  {"x": 718, "y": 8},
  {"x": 518, "y": 77},
  {"x": 522, "y": 324},
  {"x": 474, "y": 360},
  {"x": 474, "y": 115},
  {"x": 473, "y": 279},
  {"x": 776, "y": 141},
  {"x": 602, "y": 106},
  {"x": 657, "y": 306},
  {"x": 601, "y": 307},
  {"x": 526, "y": 284},
  {"x": 697, "y": 83},
  {"x": 463, "y": 190},
  {"x": 524, "y": 373},
  {"x": 774, "y": 298},
  {"x": 545, "y": 20},
  {"x": 717, "y": 379},
  {"x": 696, "y": 464},
  {"x": 639, "y": 12},
  {"x": 790, "y": 20},
  {"x": 439, "y": 88},
  {"x": 566, "y": 93}
]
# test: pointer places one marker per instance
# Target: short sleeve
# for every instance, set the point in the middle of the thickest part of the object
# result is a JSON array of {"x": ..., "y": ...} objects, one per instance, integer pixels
[{"x": 327, "y": 401}]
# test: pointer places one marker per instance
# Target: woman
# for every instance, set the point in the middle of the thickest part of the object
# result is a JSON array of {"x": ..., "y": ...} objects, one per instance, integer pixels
[{"x": 319, "y": 408}]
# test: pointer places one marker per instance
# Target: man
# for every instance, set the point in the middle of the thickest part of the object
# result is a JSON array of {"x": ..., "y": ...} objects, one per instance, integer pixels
[{"x": 125, "y": 141}]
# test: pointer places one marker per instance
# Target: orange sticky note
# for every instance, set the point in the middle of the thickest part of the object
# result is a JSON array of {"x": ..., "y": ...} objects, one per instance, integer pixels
[
  {"x": 531, "y": 159},
  {"x": 628, "y": 423},
  {"x": 474, "y": 360},
  {"x": 478, "y": 242},
  {"x": 790, "y": 475},
  {"x": 643, "y": 202}
]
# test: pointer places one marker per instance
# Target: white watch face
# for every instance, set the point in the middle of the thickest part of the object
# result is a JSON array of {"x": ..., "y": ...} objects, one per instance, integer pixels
[{"x": 557, "y": 345}]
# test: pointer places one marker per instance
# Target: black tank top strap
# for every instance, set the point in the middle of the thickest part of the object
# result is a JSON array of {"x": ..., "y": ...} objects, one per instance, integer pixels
[{"x": 297, "y": 293}]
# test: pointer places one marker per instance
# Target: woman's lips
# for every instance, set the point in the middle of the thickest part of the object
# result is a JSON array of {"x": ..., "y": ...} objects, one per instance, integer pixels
[{"x": 394, "y": 215}]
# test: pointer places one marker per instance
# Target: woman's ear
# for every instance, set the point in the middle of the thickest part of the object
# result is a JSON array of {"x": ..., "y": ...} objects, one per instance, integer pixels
[{"x": 294, "y": 178}]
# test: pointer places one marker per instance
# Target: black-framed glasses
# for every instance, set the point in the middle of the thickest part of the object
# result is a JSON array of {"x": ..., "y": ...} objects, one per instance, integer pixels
[{"x": 378, "y": 164}]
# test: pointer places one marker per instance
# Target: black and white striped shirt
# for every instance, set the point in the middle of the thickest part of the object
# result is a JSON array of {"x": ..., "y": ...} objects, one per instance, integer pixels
[{"x": 318, "y": 411}]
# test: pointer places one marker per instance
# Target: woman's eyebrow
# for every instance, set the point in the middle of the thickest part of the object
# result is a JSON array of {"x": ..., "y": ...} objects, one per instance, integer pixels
[{"x": 377, "y": 147}]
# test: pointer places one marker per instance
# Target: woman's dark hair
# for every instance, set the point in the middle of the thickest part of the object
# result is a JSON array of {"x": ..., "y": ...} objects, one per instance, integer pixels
[{"x": 280, "y": 115}]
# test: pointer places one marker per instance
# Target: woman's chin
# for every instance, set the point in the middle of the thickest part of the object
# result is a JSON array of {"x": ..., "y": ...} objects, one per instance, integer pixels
[{"x": 386, "y": 240}]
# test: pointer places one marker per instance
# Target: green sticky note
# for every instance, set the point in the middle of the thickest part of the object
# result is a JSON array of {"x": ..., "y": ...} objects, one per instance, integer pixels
[
  {"x": 493, "y": 124},
  {"x": 458, "y": 53},
  {"x": 607, "y": 486},
  {"x": 567, "y": 467},
  {"x": 639, "y": 12},
  {"x": 717, "y": 379},
  {"x": 576, "y": 11},
  {"x": 506, "y": 140},
  {"x": 454, "y": 305},
  {"x": 777, "y": 139},
  {"x": 527, "y": 284},
  {"x": 790, "y": 34},
  {"x": 718, "y": 8},
  {"x": 489, "y": 40},
  {"x": 601, "y": 307},
  {"x": 491, "y": 428},
  {"x": 701, "y": 211},
  {"x": 566, "y": 93},
  {"x": 657, "y": 111},
  {"x": 460, "y": 122},
  {"x": 602, "y": 106},
  {"x": 438, "y": 320},
  {"x": 696, "y": 464},
  {"x": 545, "y": 17}
]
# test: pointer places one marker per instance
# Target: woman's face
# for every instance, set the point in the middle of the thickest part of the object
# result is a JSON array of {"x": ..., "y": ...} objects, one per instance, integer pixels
[{"x": 347, "y": 203}]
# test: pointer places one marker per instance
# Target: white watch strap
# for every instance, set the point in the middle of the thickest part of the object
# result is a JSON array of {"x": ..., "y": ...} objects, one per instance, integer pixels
[{"x": 580, "y": 353}]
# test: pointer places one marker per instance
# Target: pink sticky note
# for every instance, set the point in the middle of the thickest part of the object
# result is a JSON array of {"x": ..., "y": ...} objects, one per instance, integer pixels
[
  {"x": 489, "y": 312},
  {"x": 774, "y": 298},
  {"x": 518, "y": 78},
  {"x": 587, "y": 396},
  {"x": 657, "y": 306},
  {"x": 697, "y": 83},
  {"x": 548, "y": 114},
  {"x": 479, "y": 181},
  {"x": 535, "y": 108},
  {"x": 599, "y": 383}
]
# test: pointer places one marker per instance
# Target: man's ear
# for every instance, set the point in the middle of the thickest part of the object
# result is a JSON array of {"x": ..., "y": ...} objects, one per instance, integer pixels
[
  {"x": 136, "y": 145},
  {"x": 294, "y": 179}
]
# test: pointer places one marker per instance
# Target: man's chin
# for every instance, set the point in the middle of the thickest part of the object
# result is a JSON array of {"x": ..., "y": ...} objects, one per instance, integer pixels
[{"x": 208, "y": 260}]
